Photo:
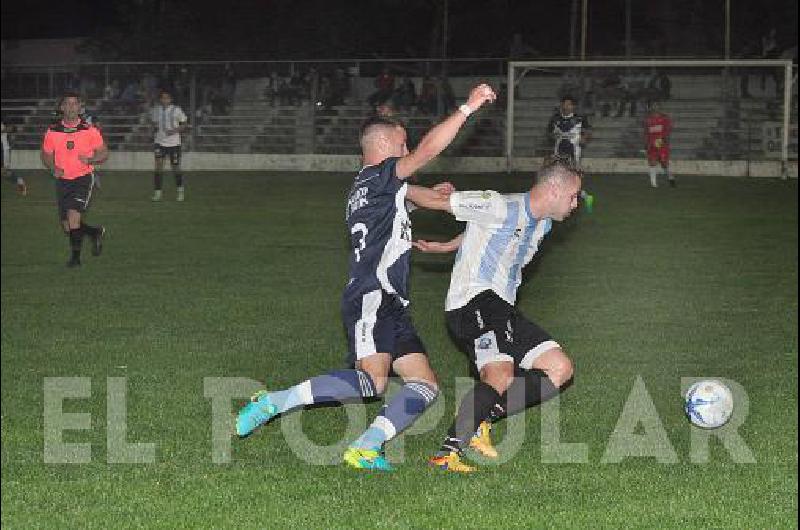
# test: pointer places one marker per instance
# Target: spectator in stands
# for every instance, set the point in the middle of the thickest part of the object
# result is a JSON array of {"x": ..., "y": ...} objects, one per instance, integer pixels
[
  {"x": 111, "y": 91},
  {"x": 296, "y": 90},
  {"x": 428, "y": 95},
  {"x": 272, "y": 87},
  {"x": 340, "y": 87},
  {"x": 130, "y": 97},
  {"x": 607, "y": 92},
  {"x": 448, "y": 96},
  {"x": 626, "y": 96},
  {"x": 770, "y": 50},
  {"x": 406, "y": 94},
  {"x": 384, "y": 84}
]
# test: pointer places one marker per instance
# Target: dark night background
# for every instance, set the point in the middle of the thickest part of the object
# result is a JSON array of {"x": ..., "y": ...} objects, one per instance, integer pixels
[{"x": 303, "y": 29}]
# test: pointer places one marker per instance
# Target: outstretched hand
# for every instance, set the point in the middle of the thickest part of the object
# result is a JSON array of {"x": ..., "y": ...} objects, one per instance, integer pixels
[{"x": 480, "y": 95}]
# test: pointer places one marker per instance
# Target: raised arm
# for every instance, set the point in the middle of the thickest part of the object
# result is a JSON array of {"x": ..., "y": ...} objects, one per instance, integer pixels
[
  {"x": 439, "y": 247},
  {"x": 438, "y": 138}
]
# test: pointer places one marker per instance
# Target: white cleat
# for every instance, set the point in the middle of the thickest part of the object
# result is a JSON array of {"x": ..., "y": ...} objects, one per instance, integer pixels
[
  {"x": 156, "y": 195},
  {"x": 179, "y": 196}
]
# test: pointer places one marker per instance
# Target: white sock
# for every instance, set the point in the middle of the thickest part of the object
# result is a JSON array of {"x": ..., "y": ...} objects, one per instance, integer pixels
[{"x": 653, "y": 178}]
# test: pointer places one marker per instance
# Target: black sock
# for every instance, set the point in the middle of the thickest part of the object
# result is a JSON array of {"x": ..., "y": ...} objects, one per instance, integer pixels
[
  {"x": 528, "y": 390},
  {"x": 179, "y": 179},
  {"x": 474, "y": 408},
  {"x": 90, "y": 230},
  {"x": 75, "y": 240},
  {"x": 158, "y": 180}
]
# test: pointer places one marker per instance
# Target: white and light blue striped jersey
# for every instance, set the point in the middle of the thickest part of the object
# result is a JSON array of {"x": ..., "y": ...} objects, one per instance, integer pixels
[
  {"x": 501, "y": 237},
  {"x": 380, "y": 233},
  {"x": 166, "y": 118}
]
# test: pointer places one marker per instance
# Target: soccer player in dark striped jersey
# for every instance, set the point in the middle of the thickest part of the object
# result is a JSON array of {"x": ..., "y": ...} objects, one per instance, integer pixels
[
  {"x": 570, "y": 132},
  {"x": 375, "y": 303}
]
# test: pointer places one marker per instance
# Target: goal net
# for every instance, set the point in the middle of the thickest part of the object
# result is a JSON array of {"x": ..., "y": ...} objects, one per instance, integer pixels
[{"x": 729, "y": 117}]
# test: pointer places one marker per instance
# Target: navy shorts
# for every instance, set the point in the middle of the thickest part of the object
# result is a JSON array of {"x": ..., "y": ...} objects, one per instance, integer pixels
[
  {"x": 174, "y": 153},
  {"x": 378, "y": 322}
]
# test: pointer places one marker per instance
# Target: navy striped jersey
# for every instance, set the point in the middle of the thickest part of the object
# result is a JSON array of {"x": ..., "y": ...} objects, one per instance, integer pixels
[
  {"x": 380, "y": 233},
  {"x": 568, "y": 128}
]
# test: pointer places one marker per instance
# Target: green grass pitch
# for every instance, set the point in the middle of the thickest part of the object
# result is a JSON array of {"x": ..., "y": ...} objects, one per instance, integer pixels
[{"x": 243, "y": 280}]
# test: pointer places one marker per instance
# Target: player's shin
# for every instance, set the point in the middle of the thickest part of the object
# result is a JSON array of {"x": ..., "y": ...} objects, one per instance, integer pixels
[
  {"x": 475, "y": 407},
  {"x": 653, "y": 176},
  {"x": 398, "y": 414},
  {"x": 335, "y": 386},
  {"x": 529, "y": 390}
]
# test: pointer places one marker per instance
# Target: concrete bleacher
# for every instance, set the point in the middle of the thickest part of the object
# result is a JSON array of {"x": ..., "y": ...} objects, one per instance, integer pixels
[{"x": 709, "y": 125}]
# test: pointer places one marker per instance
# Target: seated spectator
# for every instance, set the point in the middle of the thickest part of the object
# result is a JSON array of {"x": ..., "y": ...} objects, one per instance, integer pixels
[
  {"x": 406, "y": 94},
  {"x": 340, "y": 87},
  {"x": 448, "y": 96},
  {"x": 384, "y": 84},
  {"x": 111, "y": 91},
  {"x": 271, "y": 90},
  {"x": 428, "y": 95}
]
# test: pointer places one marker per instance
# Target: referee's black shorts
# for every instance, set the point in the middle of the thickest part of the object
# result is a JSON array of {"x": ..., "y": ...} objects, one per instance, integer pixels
[
  {"x": 489, "y": 329},
  {"x": 74, "y": 194}
]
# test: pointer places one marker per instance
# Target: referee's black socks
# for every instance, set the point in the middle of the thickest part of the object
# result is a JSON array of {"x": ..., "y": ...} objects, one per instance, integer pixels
[{"x": 75, "y": 240}]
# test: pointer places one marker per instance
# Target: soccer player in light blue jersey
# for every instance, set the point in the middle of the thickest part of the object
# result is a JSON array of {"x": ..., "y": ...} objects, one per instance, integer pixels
[
  {"x": 512, "y": 354},
  {"x": 375, "y": 303}
]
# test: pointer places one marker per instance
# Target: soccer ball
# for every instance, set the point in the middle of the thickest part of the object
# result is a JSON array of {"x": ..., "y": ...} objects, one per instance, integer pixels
[{"x": 708, "y": 404}]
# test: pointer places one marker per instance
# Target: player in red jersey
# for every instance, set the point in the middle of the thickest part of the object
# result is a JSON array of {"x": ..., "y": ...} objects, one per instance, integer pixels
[{"x": 657, "y": 128}]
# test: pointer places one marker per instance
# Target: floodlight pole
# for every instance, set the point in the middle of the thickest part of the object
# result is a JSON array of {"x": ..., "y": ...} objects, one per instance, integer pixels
[
  {"x": 727, "y": 29},
  {"x": 584, "y": 23}
]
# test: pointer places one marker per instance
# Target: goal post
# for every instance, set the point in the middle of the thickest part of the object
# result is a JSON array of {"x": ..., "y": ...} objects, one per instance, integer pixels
[{"x": 730, "y": 116}]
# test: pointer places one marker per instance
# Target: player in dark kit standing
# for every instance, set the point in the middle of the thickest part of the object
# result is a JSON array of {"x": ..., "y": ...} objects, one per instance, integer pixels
[
  {"x": 70, "y": 150},
  {"x": 375, "y": 303},
  {"x": 571, "y": 131}
]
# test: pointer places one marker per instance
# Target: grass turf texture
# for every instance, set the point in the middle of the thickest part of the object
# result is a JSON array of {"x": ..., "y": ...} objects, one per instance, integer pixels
[{"x": 243, "y": 280}]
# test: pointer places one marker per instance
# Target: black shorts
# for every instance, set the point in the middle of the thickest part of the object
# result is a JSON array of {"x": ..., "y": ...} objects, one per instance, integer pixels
[
  {"x": 74, "y": 194},
  {"x": 378, "y": 322},
  {"x": 490, "y": 329},
  {"x": 174, "y": 153}
]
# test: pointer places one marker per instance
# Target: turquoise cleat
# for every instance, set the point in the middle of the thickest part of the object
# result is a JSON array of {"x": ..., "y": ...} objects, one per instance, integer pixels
[
  {"x": 255, "y": 414},
  {"x": 588, "y": 202},
  {"x": 367, "y": 459}
]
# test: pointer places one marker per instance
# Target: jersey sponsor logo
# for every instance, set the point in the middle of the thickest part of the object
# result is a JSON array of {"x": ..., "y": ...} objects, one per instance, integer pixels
[
  {"x": 485, "y": 342},
  {"x": 405, "y": 230},
  {"x": 357, "y": 200}
]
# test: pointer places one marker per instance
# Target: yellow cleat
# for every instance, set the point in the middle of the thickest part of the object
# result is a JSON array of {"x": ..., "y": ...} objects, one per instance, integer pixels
[
  {"x": 482, "y": 441},
  {"x": 451, "y": 462}
]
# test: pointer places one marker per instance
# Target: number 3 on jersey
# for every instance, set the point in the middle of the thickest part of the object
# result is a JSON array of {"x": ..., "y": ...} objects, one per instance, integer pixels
[{"x": 361, "y": 242}]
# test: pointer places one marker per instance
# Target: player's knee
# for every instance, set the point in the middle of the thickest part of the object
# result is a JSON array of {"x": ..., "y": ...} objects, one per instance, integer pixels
[
  {"x": 498, "y": 375},
  {"x": 562, "y": 370},
  {"x": 380, "y": 383}
]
